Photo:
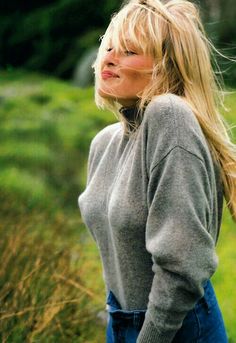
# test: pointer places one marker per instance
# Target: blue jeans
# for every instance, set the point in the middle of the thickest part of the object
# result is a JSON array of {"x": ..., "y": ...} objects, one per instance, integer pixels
[{"x": 203, "y": 324}]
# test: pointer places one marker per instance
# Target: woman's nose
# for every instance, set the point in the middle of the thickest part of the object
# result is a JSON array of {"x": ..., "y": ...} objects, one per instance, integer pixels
[{"x": 111, "y": 57}]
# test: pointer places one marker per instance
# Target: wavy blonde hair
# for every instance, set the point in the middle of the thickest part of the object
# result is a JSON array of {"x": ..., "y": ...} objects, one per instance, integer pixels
[{"x": 172, "y": 32}]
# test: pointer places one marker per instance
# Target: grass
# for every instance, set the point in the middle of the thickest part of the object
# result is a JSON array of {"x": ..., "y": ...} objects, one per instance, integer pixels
[
  {"x": 51, "y": 286},
  {"x": 43, "y": 296}
]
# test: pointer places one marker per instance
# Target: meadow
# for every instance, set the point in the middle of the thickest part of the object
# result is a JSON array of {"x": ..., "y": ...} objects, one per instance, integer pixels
[{"x": 51, "y": 286}]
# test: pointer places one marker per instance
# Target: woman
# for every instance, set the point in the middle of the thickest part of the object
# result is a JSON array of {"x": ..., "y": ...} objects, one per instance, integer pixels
[{"x": 156, "y": 178}]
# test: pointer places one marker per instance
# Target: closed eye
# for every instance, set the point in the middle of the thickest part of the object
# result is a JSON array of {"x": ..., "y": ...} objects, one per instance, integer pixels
[
  {"x": 126, "y": 52},
  {"x": 129, "y": 53}
]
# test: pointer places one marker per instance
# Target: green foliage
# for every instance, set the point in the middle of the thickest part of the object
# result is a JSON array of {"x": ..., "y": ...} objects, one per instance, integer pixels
[
  {"x": 24, "y": 187},
  {"x": 31, "y": 37},
  {"x": 45, "y": 290},
  {"x": 51, "y": 285},
  {"x": 218, "y": 17},
  {"x": 225, "y": 277},
  {"x": 46, "y": 127}
]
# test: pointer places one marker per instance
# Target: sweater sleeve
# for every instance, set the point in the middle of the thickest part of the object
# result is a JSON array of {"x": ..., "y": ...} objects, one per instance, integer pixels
[{"x": 178, "y": 238}]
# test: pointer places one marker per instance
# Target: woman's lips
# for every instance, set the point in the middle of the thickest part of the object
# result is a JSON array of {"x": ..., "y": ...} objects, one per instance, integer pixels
[{"x": 106, "y": 74}]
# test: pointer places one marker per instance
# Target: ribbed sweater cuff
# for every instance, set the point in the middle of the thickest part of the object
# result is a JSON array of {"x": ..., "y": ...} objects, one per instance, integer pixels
[{"x": 150, "y": 334}]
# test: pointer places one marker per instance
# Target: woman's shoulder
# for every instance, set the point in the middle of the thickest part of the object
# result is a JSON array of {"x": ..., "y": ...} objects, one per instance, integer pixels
[
  {"x": 169, "y": 114},
  {"x": 103, "y": 137},
  {"x": 170, "y": 122},
  {"x": 169, "y": 108}
]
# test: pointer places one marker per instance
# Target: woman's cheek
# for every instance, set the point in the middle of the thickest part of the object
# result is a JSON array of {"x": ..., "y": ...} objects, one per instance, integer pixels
[{"x": 132, "y": 75}]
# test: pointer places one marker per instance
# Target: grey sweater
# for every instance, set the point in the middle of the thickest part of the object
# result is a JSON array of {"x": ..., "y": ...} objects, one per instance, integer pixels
[{"x": 153, "y": 204}]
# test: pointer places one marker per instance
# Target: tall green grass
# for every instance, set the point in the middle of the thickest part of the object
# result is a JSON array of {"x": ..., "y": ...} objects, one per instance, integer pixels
[
  {"x": 42, "y": 292},
  {"x": 51, "y": 286}
]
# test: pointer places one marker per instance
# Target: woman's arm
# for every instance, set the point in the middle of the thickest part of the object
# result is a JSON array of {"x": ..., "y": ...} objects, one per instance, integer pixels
[{"x": 178, "y": 235}]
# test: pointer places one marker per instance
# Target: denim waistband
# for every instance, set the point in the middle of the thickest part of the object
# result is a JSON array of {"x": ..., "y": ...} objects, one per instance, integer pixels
[
  {"x": 114, "y": 308},
  {"x": 134, "y": 318}
]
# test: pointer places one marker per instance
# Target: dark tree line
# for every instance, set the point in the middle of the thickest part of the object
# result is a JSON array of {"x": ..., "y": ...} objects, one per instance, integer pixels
[
  {"x": 219, "y": 19},
  {"x": 52, "y": 35}
]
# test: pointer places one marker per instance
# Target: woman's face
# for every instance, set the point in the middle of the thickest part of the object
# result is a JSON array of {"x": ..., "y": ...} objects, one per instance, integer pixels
[{"x": 123, "y": 75}]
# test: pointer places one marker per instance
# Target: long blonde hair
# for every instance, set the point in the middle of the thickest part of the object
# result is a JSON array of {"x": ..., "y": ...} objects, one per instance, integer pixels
[{"x": 172, "y": 32}]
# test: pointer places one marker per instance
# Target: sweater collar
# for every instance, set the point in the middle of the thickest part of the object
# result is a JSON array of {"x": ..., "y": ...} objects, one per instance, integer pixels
[
  {"x": 129, "y": 112},
  {"x": 132, "y": 115}
]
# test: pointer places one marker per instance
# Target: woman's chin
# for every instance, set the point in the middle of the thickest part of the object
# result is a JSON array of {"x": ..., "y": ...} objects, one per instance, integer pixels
[
  {"x": 106, "y": 94},
  {"x": 127, "y": 102},
  {"x": 102, "y": 92}
]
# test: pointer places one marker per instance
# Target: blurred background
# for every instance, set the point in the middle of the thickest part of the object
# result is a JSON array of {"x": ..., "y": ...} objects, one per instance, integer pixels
[
  {"x": 51, "y": 285},
  {"x": 60, "y": 37}
]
